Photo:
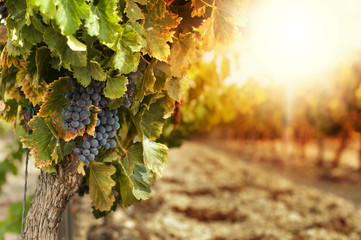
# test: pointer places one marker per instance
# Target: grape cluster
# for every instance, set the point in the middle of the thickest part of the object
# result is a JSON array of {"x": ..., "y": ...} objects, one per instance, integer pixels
[
  {"x": 77, "y": 114},
  {"x": 127, "y": 97},
  {"x": 106, "y": 129},
  {"x": 80, "y": 99}
]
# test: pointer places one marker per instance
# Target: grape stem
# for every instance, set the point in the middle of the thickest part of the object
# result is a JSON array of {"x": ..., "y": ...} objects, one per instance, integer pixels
[{"x": 120, "y": 146}]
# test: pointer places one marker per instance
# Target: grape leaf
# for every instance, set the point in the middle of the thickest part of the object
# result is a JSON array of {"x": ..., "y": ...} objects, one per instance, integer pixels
[
  {"x": 11, "y": 110},
  {"x": 155, "y": 155},
  {"x": 42, "y": 142},
  {"x": 174, "y": 88},
  {"x": 162, "y": 73},
  {"x": 90, "y": 129},
  {"x": 57, "y": 43},
  {"x": 42, "y": 58},
  {"x": 156, "y": 8},
  {"x": 133, "y": 11},
  {"x": 129, "y": 44},
  {"x": 153, "y": 119},
  {"x": 116, "y": 87},
  {"x": 69, "y": 14},
  {"x": 199, "y": 8},
  {"x": 93, "y": 70},
  {"x": 54, "y": 100},
  {"x": 47, "y": 7},
  {"x": 157, "y": 33},
  {"x": 146, "y": 83},
  {"x": 33, "y": 91},
  {"x": 103, "y": 21},
  {"x": 100, "y": 185},
  {"x": 182, "y": 54}
]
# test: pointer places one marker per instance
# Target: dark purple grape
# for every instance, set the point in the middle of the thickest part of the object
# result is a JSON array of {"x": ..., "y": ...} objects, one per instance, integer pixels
[
  {"x": 81, "y": 158},
  {"x": 101, "y": 129},
  {"x": 75, "y": 116},
  {"x": 86, "y": 152},
  {"x": 112, "y": 143},
  {"x": 89, "y": 90},
  {"x": 81, "y": 103},
  {"x": 94, "y": 143},
  {"x": 74, "y": 123},
  {"x": 76, "y": 151},
  {"x": 112, "y": 134},
  {"x": 86, "y": 121},
  {"x": 91, "y": 157},
  {"x": 65, "y": 125},
  {"x": 86, "y": 145},
  {"x": 83, "y": 115}
]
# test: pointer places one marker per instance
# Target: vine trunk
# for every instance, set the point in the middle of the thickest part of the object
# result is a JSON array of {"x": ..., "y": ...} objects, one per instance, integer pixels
[{"x": 51, "y": 197}]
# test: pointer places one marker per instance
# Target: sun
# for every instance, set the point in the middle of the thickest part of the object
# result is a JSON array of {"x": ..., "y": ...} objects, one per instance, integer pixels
[{"x": 294, "y": 39}]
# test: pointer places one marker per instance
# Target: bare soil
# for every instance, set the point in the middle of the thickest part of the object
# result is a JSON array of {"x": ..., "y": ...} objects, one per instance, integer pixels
[{"x": 228, "y": 190}]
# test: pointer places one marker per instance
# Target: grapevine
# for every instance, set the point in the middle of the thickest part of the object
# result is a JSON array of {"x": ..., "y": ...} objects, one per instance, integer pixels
[{"x": 103, "y": 77}]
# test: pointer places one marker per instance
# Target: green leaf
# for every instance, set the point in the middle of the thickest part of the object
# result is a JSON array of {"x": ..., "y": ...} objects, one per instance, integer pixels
[
  {"x": 133, "y": 11},
  {"x": 42, "y": 142},
  {"x": 158, "y": 32},
  {"x": 100, "y": 185},
  {"x": 42, "y": 62},
  {"x": 47, "y": 7},
  {"x": 54, "y": 100},
  {"x": 127, "y": 50},
  {"x": 155, "y": 155},
  {"x": 11, "y": 110},
  {"x": 69, "y": 14},
  {"x": 93, "y": 70},
  {"x": 142, "y": 178},
  {"x": 162, "y": 73},
  {"x": 57, "y": 43},
  {"x": 135, "y": 153},
  {"x": 116, "y": 87},
  {"x": 103, "y": 21},
  {"x": 153, "y": 119},
  {"x": 146, "y": 83},
  {"x": 75, "y": 44}
]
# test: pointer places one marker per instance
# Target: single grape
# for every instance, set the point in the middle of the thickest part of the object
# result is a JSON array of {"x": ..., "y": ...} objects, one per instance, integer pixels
[
  {"x": 86, "y": 145},
  {"x": 91, "y": 157},
  {"x": 74, "y": 123},
  {"x": 77, "y": 109},
  {"x": 101, "y": 129},
  {"x": 86, "y": 162},
  {"x": 81, "y": 125},
  {"x": 76, "y": 96},
  {"x": 76, "y": 151},
  {"x": 85, "y": 96},
  {"x": 103, "y": 120},
  {"x": 86, "y": 152},
  {"x": 94, "y": 143},
  {"x": 107, "y": 146},
  {"x": 81, "y": 158},
  {"x": 81, "y": 103},
  {"x": 83, "y": 115},
  {"x": 89, "y": 90},
  {"x": 94, "y": 151},
  {"x": 105, "y": 135},
  {"x": 112, "y": 134},
  {"x": 75, "y": 116},
  {"x": 94, "y": 96},
  {"x": 110, "y": 121},
  {"x": 86, "y": 121},
  {"x": 108, "y": 128},
  {"x": 112, "y": 143},
  {"x": 103, "y": 142},
  {"x": 116, "y": 126},
  {"x": 88, "y": 102},
  {"x": 99, "y": 136},
  {"x": 98, "y": 122}
]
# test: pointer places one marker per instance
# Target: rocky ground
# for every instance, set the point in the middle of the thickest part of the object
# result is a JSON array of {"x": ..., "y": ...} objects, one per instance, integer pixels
[{"x": 219, "y": 190}]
